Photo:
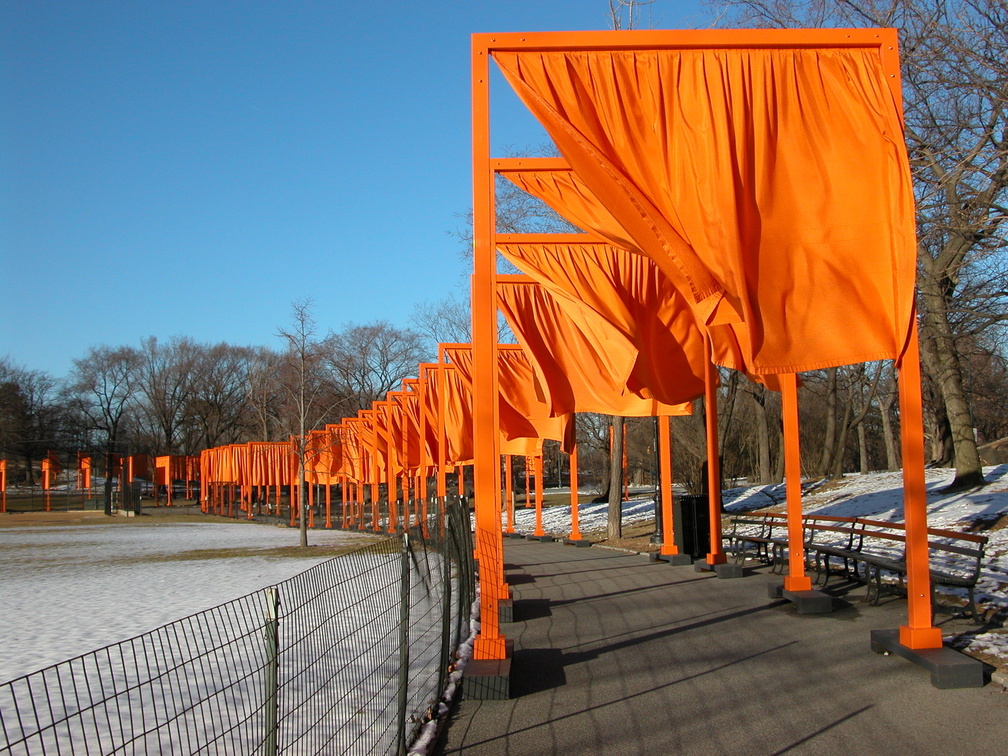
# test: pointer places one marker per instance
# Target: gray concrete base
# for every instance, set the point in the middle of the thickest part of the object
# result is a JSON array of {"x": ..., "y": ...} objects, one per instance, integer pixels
[
  {"x": 676, "y": 560},
  {"x": 724, "y": 570},
  {"x": 948, "y": 667},
  {"x": 775, "y": 589},
  {"x": 581, "y": 543},
  {"x": 514, "y": 535},
  {"x": 487, "y": 679},
  {"x": 809, "y": 602},
  {"x": 542, "y": 538}
]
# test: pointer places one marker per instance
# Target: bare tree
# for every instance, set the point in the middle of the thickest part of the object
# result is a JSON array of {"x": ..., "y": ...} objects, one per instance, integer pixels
[
  {"x": 955, "y": 75},
  {"x": 164, "y": 383},
  {"x": 301, "y": 357},
  {"x": 265, "y": 392},
  {"x": 370, "y": 360},
  {"x": 614, "y": 520},
  {"x": 218, "y": 411},
  {"x": 448, "y": 321},
  {"x": 625, "y": 14},
  {"x": 103, "y": 383},
  {"x": 31, "y": 413}
]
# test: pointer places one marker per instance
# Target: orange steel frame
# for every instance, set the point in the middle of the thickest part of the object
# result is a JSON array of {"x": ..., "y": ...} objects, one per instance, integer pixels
[{"x": 919, "y": 632}]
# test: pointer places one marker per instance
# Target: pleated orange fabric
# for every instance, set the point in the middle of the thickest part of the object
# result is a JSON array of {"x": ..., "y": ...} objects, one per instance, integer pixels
[
  {"x": 458, "y": 416},
  {"x": 629, "y": 292},
  {"x": 577, "y": 369},
  {"x": 269, "y": 463},
  {"x": 350, "y": 458},
  {"x": 770, "y": 185},
  {"x": 523, "y": 415},
  {"x": 409, "y": 402}
]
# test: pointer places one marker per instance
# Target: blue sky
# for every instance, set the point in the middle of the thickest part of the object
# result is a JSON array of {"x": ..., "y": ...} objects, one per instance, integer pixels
[{"x": 190, "y": 168}]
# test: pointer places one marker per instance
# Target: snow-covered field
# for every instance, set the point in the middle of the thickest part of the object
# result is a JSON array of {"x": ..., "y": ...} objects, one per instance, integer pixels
[
  {"x": 876, "y": 495},
  {"x": 67, "y": 590}
]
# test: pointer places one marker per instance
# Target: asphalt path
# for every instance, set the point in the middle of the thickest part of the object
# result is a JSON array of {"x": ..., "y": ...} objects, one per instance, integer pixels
[{"x": 617, "y": 655}]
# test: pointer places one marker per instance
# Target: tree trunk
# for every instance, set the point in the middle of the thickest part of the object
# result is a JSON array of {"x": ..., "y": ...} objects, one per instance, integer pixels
[
  {"x": 302, "y": 521},
  {"x": 948, "y": 378},
  {"x": 885, "y": 408},
  {"x": 841, "y": 446},
  {"x": 614, "y": 527},
  {"x": 863, "y": 448},
  {"x": 830, "y": 437},
  {"x": 762, "y": 437},
  {"x": 944, "y": 444}
]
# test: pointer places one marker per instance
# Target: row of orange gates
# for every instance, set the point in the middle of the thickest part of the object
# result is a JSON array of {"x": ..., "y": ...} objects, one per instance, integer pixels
[
  {"x": 162, "y": 473},
  {"x": 745, "y": 201},
  {"x": 391, "y": 460}
]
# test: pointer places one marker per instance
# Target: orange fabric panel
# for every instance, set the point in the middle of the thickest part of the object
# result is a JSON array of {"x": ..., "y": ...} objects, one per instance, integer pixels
[
  {"x": 350, "y": 458},
  {"x": 629, "y": 292},
  {"x": 409, "y": 407},
  {"x": 458, "y": 418},
  {"x": 522, "y": 412},
  {"x": 387, "y": 454},
  {"x": 521, "y": 447},
  {"x": 573, "y": 368},
  {"x": 269, "y": 463},
  {"x": 428, "y": 373},
  {"x": 732, "y": 170},
  {"x": 162, "y": 469}
]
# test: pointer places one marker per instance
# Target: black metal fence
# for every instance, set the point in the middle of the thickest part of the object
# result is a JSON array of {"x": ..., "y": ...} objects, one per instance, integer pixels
[{"x": 348, "y": 657}]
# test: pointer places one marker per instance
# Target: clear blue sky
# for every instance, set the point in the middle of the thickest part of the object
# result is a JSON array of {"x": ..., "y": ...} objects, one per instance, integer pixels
[{"x": 171, "y": 168}]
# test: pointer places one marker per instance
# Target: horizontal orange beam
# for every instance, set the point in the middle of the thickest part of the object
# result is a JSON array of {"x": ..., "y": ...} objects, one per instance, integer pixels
[
  {"x": 548, "y": 239},
  {"x": 529, "y": 164},
  {"x": 642, "y": 39}
]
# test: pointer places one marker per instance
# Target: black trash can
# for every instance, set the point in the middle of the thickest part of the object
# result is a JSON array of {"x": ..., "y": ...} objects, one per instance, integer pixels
[{"x": 692, "y": 525}]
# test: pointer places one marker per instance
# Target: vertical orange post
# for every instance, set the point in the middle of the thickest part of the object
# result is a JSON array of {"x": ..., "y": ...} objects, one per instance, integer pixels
[
  {"x": 575, "y": 534},
  {"x": 716, "y": 554},
  {"x": 375, "y": 491},
  {"x": 442, "y": 445},
  {"x": 796, "y": 579},
  {"x": 508, "y": 494},
  {"x": 919, "y": 632},
  {"x": 668, "y": 545},
  {"x": 461, "y": 480},
  {"x": 3, "y": 486},
  {"x": 539, "y": 495},
  {"x": 490, "y": 644},
  {"x": 328, "y": 504}
]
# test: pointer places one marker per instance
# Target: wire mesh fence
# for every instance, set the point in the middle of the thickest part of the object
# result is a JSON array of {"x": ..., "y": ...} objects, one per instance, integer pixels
[{"x": 348, "y": 657}]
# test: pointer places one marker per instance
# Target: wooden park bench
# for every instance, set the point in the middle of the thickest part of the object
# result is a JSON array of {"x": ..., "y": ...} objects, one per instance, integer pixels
[
  {"x": 761, "y": 536},
  {"x": 870, "y": 548},
  {"x": 866, "y": 548}
]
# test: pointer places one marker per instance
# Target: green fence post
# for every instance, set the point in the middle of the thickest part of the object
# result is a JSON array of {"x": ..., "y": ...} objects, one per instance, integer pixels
[{"x": 270, "y": 709}]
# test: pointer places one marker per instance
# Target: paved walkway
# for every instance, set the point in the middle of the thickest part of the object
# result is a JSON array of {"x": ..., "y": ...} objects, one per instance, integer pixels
[{"x": 616, "y": 655}]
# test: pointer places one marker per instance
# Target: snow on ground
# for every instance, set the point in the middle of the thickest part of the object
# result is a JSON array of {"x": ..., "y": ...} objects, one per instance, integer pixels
[
  {"x": 875, "y": 495},
  {"x": 68, "y": 590}
]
